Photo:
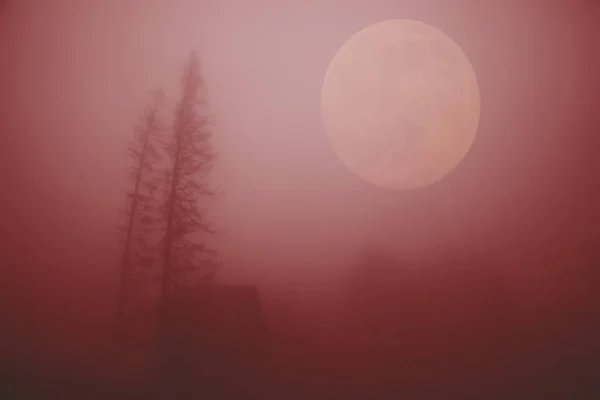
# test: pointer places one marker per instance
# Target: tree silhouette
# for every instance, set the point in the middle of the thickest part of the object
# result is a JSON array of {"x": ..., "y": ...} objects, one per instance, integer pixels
[
  {"x": 142, "y": 202},
  {"x": 185, "y": 253}
]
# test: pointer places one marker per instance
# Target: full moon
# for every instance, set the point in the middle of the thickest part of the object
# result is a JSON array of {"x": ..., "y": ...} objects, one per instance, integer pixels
[{"x": 400, "y": 104}]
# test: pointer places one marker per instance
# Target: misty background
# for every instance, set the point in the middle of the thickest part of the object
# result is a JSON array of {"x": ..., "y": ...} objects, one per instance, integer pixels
[{"x": 74, "y": 76}]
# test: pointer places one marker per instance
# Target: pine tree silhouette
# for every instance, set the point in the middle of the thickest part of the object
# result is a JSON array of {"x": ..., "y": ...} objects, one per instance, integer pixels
[
  {"x": 185, "y": 253},
  {"x": 137, "y": 249}
]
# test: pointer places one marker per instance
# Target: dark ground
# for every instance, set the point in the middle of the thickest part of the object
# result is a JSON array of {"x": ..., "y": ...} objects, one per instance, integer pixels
[{"x": 458, "y": 339}]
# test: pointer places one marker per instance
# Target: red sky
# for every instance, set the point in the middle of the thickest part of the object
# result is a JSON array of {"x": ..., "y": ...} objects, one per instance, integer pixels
[{"x": 77, "y": 72}]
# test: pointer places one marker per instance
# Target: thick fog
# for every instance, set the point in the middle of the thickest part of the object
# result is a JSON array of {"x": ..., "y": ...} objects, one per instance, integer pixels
[{"x": 76, "y": 74}]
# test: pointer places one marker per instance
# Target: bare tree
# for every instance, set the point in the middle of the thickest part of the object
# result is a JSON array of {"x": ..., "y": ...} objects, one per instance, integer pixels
[
  {"x": 142, "y": 202},
  {"x": 185, "y": 253}
]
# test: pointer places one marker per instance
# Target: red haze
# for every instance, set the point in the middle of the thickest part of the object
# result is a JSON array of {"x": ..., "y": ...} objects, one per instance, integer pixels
[{"x": 521, "y": 207}]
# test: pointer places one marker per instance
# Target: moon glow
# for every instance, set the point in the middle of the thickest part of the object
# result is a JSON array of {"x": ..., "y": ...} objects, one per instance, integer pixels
[{"x": 400, "y": 104}]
